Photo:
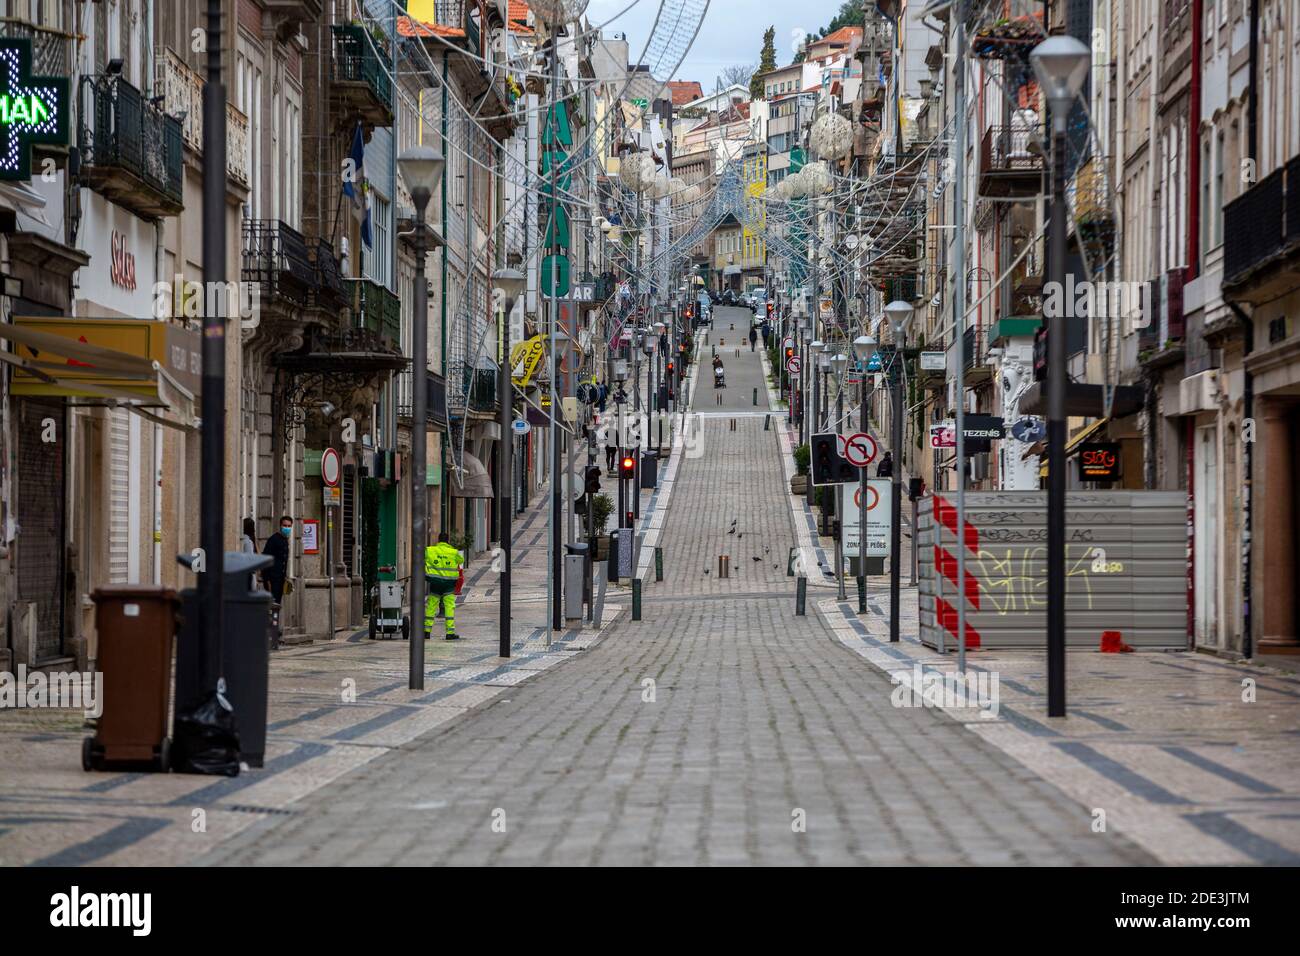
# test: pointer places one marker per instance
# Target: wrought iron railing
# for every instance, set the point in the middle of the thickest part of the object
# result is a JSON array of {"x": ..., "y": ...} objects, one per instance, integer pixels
[
  {"x": 481, "y": 388},
  {"x": 122, "y": 129},
  {"x": 329, "y": 280},
  {"x": 1253, "y": 226},
  {"x": 355, "y": 61},
  {"x": 51, "y": 48},
  {"x": 1007, "y": 149},
  {"x": 376, "y": 309},
  {"x": 276, "y": 259},
  {"x": 435, "y": 397},
  {"x": 182, "y": 92}
]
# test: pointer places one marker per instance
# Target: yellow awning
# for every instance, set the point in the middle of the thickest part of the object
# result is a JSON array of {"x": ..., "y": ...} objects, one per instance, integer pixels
[
  {"x": 134, "y": 361},
  {"x": 1073, "y": 444}
]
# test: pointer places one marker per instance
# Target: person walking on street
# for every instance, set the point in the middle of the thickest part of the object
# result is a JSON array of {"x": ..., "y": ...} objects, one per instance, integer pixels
[
  {"x": 611, "y": 448},
  {"x": 277, "y": 546},
  {"x": 753, "y": 337},
  {"x": 886, "y": 467},
  {"x": 442, "y": 567}
]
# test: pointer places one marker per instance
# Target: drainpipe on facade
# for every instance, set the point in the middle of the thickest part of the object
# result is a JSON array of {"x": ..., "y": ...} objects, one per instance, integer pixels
[{"x": 1248, "y": 463}]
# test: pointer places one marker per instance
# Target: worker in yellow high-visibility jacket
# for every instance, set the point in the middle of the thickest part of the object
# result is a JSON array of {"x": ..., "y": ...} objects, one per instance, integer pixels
[{"x": 442, "y": 564}]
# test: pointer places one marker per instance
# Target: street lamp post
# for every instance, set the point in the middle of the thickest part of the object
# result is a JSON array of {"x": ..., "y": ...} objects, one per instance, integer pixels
[
  {"x": 1061, "y": 64},
  {"x": 864, "y": 346},
  {"x": 900, "y": 315},
  {"x": 839, "y": 362},
  {"x": 422, "y": 168},
  {"x": 814, "y": 352},
  {"x": 511, "y": 284}
]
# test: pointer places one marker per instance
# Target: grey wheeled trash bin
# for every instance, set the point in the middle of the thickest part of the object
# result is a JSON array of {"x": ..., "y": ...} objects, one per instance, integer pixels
[{"x": 245, "y": 652}]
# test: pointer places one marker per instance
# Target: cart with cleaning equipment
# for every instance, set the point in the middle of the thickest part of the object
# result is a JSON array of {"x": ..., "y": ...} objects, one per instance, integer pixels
[{"x": 386, "y": 602}]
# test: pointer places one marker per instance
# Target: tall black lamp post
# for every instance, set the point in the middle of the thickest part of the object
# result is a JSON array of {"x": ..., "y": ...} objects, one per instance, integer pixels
[
  {"x": 511, "y": 283},
  {"x": 1061, "y": 64},
  {"x": 899, "y": 314},
  {"x": 421, "y": 168}
]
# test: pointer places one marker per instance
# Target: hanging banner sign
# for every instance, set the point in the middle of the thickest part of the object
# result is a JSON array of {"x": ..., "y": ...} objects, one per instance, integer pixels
[{"x": 524, "y": 359}]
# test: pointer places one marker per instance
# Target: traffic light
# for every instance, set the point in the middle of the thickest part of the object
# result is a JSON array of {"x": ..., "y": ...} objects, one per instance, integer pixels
[
  {"x": 789, "y": 353},
  {"x": 828, "y": 466},
  {"x": 670, "y": 369},
  {"x": 627, "y": 467},
  {"x": 592, "y": 483},
  {"x": 771, "y": 307}
]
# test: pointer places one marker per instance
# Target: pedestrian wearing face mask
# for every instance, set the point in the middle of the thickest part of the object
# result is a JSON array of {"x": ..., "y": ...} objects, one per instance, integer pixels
[{"x": 277, "y": 546}]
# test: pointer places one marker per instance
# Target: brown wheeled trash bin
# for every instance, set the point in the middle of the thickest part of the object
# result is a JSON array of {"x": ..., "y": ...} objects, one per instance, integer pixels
[{"x": 137, "y": 626}]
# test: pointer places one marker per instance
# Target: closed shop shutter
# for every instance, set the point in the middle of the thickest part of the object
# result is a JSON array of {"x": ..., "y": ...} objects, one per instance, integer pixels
[
  {"x": 349, "y": 507},
  {"x": 119, "y": 497},
  {"x": 39, "y": 505}
]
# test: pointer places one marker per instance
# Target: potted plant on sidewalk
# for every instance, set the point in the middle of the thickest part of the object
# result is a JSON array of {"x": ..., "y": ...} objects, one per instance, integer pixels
[
  {"x": 601, "y": 508},
  {"x": 802, "y": 459}
]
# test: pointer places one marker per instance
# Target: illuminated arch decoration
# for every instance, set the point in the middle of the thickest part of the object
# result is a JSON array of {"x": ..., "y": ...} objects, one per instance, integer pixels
[{"x": 33, "y": 109}]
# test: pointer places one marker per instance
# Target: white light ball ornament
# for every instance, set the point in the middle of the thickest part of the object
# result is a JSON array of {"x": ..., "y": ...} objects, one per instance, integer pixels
[
  {"x": 552, "y": 12},
  {"x": 832, "y": 136}
]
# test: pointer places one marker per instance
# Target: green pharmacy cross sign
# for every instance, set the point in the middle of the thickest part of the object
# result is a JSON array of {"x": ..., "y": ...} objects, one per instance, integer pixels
[{"x": 33, "y": 109}]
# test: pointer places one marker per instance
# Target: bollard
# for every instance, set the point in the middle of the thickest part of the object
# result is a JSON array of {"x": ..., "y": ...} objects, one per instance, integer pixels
[
  {"x": 755, "y": 395},
  {"x": 659, "y": 564},
  {"x": 767, "y": 422},
  {"x": 801, "y": 598},
  {"x": 636, "y": 599},
  {"x": 719, "y": 398},
  {"x": 862, "y": 595},
  {"x": 724, "y": 566}
]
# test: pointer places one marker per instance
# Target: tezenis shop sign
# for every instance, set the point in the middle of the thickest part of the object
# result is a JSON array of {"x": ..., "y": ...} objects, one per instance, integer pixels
[{"x": 33, "y": 109}]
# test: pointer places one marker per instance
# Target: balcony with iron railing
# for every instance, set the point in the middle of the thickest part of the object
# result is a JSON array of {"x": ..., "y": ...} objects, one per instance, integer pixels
[
  {"x": 375, "y": 309},
  {"x": 975, "y": 355},
  {"x": 328, "y": 292},
  {"x": 1011, "y": 162},
  {"x": 182, "y": 92},
  {"x": 52, "y": 50},
  {"x": 360, "y": 83},
  {"x": 480, "y": 388},
  {"x": 1256, "y": 226},
  {"x": 435, "y": 397},
  {"x": 130, "y": 150},
  {"x": 277, "y": 262}
]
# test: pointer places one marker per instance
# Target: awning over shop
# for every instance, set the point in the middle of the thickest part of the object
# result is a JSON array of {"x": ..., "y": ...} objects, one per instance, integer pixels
[
  {"x": 472, "y": 481},
  {"x": 1073, "y": 444},
  {"x": 136, "y": 363}
]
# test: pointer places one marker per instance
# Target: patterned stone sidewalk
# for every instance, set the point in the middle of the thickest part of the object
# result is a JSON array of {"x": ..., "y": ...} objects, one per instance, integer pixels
[{"x": 334, "y": 707}]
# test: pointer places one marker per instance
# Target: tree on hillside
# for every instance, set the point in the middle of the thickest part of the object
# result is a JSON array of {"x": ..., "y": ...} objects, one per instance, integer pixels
[
  {"x": 737, "y": 74},
  {"x": 766, "y": 61},
  {"x": 851, "y": 14}
]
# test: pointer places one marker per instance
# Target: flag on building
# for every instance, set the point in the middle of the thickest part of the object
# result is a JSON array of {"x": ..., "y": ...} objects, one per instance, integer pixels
[{"x": 355, "y": 187}]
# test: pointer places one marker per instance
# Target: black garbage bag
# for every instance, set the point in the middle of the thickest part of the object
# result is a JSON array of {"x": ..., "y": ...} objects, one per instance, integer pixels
[{"x": 206, "y": 740}]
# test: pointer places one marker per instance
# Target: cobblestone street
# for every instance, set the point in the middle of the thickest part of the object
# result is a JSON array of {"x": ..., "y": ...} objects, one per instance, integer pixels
[{"x": 755, "y": 722}]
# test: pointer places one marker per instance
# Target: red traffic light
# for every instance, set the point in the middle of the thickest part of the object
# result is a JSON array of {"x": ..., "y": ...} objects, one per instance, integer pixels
[
  {"x": 770, "y": 308},
  {"x": 789, "y": 353},
  {"x": 670, "y": 368},
  {"x": 628, "y": 466}
]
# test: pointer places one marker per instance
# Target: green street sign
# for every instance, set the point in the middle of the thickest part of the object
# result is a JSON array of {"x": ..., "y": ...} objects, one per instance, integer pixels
[{"x": 33, "y": 109}]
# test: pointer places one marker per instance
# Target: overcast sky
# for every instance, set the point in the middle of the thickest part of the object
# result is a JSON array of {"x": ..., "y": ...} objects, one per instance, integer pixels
[{"x": 732, "y": 31}]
